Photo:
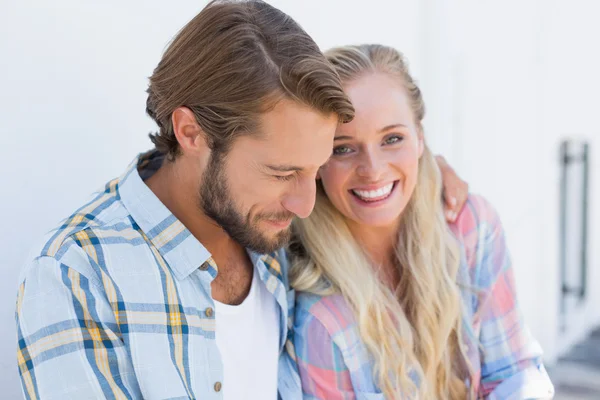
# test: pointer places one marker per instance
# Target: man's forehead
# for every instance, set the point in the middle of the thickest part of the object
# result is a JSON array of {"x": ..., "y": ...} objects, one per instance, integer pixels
[
  {"x": 287, "y": 160},
  {"x": 293, "y": 115},
  {"x": 290, "y": 137}
]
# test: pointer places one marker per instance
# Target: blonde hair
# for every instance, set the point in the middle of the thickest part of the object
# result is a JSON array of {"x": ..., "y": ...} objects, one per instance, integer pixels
[{"x": 413, "y": 332}]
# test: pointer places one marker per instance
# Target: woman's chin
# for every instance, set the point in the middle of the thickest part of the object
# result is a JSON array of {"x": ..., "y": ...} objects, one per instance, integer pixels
[{"x": 377, "y": 220}]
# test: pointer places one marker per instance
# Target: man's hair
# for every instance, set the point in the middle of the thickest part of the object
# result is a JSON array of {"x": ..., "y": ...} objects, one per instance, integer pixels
[{"x": 234, "y": 61}]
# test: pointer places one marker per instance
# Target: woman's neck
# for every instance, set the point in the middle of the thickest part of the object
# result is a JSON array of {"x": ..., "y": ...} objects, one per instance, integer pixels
[{"x": 379, "y": 243}]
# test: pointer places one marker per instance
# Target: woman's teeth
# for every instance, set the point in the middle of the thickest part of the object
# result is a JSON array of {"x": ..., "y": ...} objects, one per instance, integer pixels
[{"x": 371, "y": 195}]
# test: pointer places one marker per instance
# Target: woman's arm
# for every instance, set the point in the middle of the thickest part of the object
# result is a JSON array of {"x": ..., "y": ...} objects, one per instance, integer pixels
[{"x": 511, "y": 359}]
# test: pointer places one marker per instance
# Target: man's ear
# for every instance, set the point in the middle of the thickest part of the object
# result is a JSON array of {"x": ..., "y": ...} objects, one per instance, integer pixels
[{"x": 189, "y": 134}]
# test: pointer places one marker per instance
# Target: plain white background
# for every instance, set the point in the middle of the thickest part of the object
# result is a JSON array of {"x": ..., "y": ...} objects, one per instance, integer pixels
[{"x": 504, "y": 82}]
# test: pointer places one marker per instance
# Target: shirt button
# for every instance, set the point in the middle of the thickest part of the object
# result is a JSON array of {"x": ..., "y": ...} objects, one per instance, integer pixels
[
  {"x": 218, "y": 386},
  {"x": 204, "y": 267},
  {"x": 209, "y": 313}
]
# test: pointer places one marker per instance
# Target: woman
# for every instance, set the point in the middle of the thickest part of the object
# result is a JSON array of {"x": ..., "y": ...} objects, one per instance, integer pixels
[{"x": 394, "y": 302}]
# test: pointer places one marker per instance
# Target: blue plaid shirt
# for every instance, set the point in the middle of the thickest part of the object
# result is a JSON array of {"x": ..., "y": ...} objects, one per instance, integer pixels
[{"x": 117, "y": 304}]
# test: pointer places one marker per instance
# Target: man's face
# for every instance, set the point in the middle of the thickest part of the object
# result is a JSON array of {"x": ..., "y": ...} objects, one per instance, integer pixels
[{"x": 255, "y": 190}]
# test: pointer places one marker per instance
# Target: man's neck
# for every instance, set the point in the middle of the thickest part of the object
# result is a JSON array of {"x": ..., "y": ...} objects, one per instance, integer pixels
[{"x": 179, "y": 193}]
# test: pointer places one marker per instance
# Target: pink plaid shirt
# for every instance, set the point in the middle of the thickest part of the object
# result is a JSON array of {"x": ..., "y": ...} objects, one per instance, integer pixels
[{"x": 506, "y": 359}]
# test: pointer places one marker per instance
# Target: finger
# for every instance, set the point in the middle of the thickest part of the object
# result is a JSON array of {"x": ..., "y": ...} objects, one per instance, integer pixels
[
  {"x": 454, "y": 201},
  {"x": 450, "y": 215},
  {"x": 451, "y": 200},
  {"x": 450, "y": 197},
  {"x": 461, "y": 198}
]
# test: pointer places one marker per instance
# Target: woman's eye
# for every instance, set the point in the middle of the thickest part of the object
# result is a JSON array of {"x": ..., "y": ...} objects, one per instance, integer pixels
[
  {"x": 393, "y": 139},
  {"x": 340, "y": 150}
]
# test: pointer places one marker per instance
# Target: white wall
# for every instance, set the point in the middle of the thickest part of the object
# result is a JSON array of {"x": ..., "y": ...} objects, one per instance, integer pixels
[
  {"x": 569, "y": 104},
  {"x": 520, "y": 77}
]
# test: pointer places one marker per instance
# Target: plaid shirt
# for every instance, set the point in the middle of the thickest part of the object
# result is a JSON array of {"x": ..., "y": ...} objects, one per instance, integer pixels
[
  {"x": 335, "y": 364},
  {"x": 117, "y": 304}
]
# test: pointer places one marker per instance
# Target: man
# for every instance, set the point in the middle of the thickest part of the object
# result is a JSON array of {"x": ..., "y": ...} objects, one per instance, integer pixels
[{"x": 169, "y": 284}]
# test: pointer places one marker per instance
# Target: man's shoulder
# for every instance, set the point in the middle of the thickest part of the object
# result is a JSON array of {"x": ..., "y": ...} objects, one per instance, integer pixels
[
  {"x": 91, "y": 225},
  {"x": 280, "y": 260}
]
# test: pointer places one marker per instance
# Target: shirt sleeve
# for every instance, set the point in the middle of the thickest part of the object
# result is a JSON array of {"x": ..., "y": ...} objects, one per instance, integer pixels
[
  {"x": 69, "y": 343},
  {"x": 511, "y": 358}
]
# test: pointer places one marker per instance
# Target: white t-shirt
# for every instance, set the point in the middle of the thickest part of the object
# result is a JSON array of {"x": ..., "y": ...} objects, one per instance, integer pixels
[{"x": 248, "y": 339}]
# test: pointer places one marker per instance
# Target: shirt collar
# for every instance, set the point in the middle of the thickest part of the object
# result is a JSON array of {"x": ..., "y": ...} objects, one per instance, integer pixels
[{"x": 182, "y": 251}]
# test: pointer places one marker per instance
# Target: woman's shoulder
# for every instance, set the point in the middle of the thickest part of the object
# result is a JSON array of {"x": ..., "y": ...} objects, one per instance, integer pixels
[
  {"x": 484, "y": 254},
  {"x": 479, "y": 232},
  {"x": 331, "y": 311},
  {"x": 475, "y": 224},
  {"x": 477, "y": 215}
]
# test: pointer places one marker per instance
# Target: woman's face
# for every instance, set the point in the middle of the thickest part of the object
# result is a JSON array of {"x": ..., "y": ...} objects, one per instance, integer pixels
[{"x": 374, "y": 166}]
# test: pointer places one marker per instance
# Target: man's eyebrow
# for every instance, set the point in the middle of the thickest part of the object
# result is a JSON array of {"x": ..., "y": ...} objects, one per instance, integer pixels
[
  {"x": 342, "y": 138},
  {"x": 284, "y": 168}
]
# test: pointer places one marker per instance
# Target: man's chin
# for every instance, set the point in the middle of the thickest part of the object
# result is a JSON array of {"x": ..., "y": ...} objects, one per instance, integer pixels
[
  {"x": 264, "y": 248},
  {"x": 268, "y": 243}
]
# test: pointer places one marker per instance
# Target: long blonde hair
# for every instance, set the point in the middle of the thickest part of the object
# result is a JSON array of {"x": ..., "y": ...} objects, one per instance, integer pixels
[{"x": 413, "y": 333}]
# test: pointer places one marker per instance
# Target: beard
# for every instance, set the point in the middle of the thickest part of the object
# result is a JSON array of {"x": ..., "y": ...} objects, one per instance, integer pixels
[{"x": 217, "y": 202}]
